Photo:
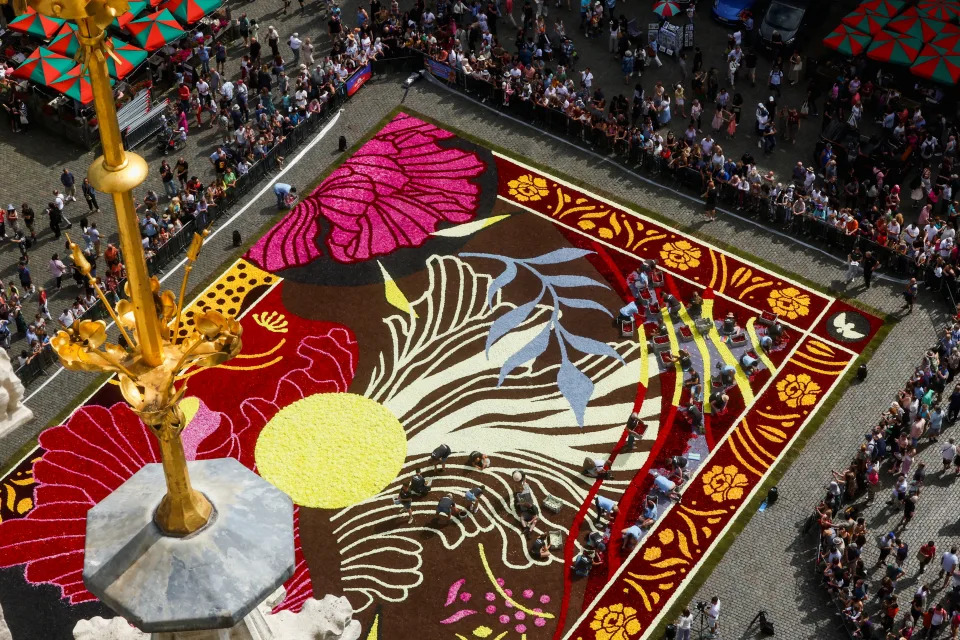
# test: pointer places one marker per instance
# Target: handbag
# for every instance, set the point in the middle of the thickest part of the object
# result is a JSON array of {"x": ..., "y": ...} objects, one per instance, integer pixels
[{"x": 805, "y": 108}]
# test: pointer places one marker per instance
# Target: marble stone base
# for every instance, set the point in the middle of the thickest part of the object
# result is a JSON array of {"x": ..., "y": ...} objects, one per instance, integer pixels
[
  {"x": 210, "y": 579},
  {"x": 328, "y": 619},
  {"x": 21, "y": 416}
]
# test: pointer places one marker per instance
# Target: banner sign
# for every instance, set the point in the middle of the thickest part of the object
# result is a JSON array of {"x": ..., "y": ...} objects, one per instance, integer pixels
[
  {"x": 442, "y": 71},
  {"x": 358, "y": 79}
]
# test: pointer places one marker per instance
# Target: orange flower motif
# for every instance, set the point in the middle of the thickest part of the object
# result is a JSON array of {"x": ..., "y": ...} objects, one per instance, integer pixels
[
  {"x": 616, "y": 622},
  {"x": 790, "y": 302},
  {"x": 798, "y": 390},
  {"x": 724, "y": 483},
  {"x": 680, "y": 255},
  {"x": 527, "y": 188}
]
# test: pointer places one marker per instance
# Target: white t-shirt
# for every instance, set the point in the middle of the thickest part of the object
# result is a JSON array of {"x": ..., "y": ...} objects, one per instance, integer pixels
[
  {"x": 948, "y": 562},
  {"x": 713, "y": 611},
  {"x": 685, "y": 622}
]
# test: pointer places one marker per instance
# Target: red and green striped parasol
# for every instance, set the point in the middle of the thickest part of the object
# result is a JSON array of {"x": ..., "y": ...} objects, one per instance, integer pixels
[
  {"x": 666, "y": 8},
  {"x": 917, "y": 26},
  {"x": 847, "y": 40},
  {"x": 36, "y": 24},
  {"x": 939, "y": 66},
  {"x": 191, "y": 11},
  {"x": 155, "y": 30},
  {"x": 136, "y": 8},
  {"x": 65, "y": 42},
  {"x": 888, "y": 8},
  {"x": 865, "y": 21},
  {"x": 945, "y": 10},
  {"x": 44, "y": 66},
  {"x": 894, "y": 48},
  {"x": 128, "y": 58},
  {"x": 75, "y": 84},
  {"x": 947, "y": 43}
]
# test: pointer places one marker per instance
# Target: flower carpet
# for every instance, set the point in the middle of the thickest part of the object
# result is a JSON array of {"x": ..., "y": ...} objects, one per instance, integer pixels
[{"x": 433, "y": 292}]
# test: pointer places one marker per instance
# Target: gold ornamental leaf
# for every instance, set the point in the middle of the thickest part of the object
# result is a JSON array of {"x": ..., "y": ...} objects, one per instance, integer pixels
[
  {"x": 130, "y": 391},
  {"x": 92, "y": 332}
]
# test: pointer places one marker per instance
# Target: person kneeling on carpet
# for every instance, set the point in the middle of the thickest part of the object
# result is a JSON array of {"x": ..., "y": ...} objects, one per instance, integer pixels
[{"x": 283, "y": 192}]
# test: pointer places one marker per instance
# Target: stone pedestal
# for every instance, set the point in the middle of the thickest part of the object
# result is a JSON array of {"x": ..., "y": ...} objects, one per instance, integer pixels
[
  {"x": 328, "y": 619},
  {"x": 210, "y": 579},
  {"x": 13, "y": 413}
]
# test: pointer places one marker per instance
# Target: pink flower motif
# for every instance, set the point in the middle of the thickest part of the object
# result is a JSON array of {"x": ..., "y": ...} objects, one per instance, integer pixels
[
  {"x": 491, "y": 609},
  {"x": 392, "y": 193},
  {"x": 540, "y": 622},
  {"x": 465, "y": 597},
  {"x": 501, "y": 581},
  {"x": 519, "y": 615},
  {"x": 490, "y": 596},
  {"x": 528, "y": 593},
  {"x": 504, "y": 619},
  {"x": 521, "y": 628},
  {"x": 544, "y": 599}
]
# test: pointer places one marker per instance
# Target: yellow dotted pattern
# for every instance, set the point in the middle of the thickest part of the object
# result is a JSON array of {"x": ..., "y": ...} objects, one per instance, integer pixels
[{"x": 228, "y": 293}]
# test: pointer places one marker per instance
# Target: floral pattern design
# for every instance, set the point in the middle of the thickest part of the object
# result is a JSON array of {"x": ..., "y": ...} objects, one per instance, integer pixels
[
  {"x": 527, "y": 188},
  {"x": 392, "y": 193},
  {"x": 616, "y": 622},
  {"x": 724, "y": 483},
  {"x": 798, "y": 390},
  {"x": 681, "y": 255},
  {"x": 790, "y": 302}
]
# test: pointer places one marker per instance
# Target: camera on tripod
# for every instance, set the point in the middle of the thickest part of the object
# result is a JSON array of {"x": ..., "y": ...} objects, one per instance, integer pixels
[{"x": 701, "y": 606}]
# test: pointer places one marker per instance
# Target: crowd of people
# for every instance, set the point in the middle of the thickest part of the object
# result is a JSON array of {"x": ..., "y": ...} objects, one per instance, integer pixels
[
  {"x": 906, "y": 439},
  {"x": 851, "y": 191}
]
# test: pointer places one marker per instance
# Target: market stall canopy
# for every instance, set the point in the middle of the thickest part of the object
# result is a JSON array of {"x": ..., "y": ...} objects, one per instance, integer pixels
[
  {"x": 74, "y": 84},
  {"x": 865, "y": 21},
  {"x": 946, "y": 10},
  {"x": 128, "y": 57},
  {"x": 191, "y": 11},
  {"x": 888, "y": 8},
  {"x": 894, "y": 48},
  {"x": 44, "y": 66},
  {"x": 156, "y": 30},
  {"x": 847, "y": 40},
  {"x": 65, "y": 42},
  {"x": 665, "y": 8},
  {"x": 937, "y": 65},
  {"x": 36, "y": 24},
  {"x": 136, "y": 8},
  {"x": 918, "y": 26}
]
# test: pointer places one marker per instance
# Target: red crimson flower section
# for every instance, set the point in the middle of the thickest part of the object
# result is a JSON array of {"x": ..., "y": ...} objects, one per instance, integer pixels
[{"x": 100, "y": 447}]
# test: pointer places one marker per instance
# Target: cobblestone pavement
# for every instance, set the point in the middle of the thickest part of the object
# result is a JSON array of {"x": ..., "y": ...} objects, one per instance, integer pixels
[{"x": 769, "y": 563}]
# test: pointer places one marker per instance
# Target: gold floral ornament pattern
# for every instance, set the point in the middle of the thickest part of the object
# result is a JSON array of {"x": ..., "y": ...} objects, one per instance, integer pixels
[
  {"x": 273, "y": 321},
  {"x": 798, "y": 390},
  {"x": 681, "y": 255},
  {"x": 724, "y": 483},
  {"x": 790, "y": 302},
  {"x": 616, "y": 622},
  {"x": 527, "y": 188}
]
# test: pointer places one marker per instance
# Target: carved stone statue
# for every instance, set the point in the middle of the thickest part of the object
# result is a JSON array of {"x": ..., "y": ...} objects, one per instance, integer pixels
[{"x": 12, "y": 413}]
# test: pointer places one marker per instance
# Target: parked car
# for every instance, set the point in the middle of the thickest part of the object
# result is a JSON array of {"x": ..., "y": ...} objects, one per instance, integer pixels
[
  {"x": 728, "y": 11},
  {"x": 788, "y": 18}
]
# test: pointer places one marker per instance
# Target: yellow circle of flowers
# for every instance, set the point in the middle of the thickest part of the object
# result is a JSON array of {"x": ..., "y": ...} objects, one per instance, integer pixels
[
  {"x": 680, "y": 255},
  {"x": 789, "y": 302},
  {"x": 331, "y": 450},
  {"x": 528, "y": 188}
]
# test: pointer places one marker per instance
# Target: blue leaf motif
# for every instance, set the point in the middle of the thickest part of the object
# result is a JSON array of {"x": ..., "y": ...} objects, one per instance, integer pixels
[
  {"x": 510, "y": 321},
  {"x": 560, "y": 255},
  {"x": 575, "y": 387},
  {"x": 572, "y": 281},
  {"x": 582, "y": 303},
  {"x": 501, "y": 281},
  {"x": 590, "y": 346},
  {"x": 531, "y": 350}
]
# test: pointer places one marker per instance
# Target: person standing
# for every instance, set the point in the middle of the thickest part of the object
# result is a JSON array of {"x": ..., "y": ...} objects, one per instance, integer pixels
[
  {"x": 57, "y": 269},
  {"x": 635, "y": 428},
  {"x": 69, "y": 185},
  {"x": 90, "y": 195},
  {"x": 910, "y": 295},
  {"x": 710, "y": 204},
  {"x": 684, "y": 625},
  {"x": 713, "y": 614},
  {"x": 295, "y": 43},
  {"x": 796, "y": 64},
  {"x": 29, "y": 218},
  {"x": 869, "y": 266},
  {"x": 56, "y": 219},
  {"x": 925, "y": 555}
]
